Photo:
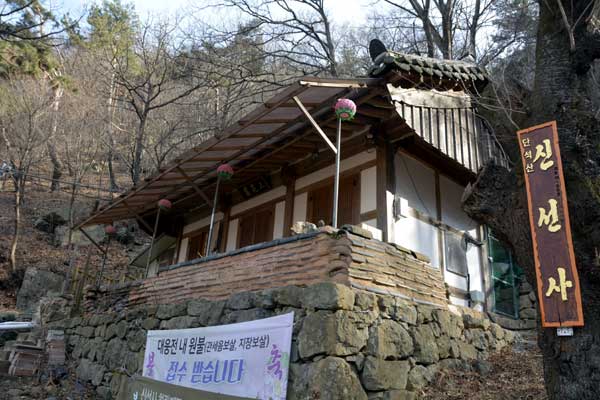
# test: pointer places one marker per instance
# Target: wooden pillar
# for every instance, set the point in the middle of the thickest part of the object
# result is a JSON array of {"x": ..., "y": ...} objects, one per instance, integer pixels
[
  {"x": 386, "y": 187},
  {"x": 438, "y": 216},
  {"x": 224, "y": 230},
  {"x": 289, "y": 180}
]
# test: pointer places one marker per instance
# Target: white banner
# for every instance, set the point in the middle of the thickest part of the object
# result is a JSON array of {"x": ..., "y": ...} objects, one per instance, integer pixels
[{"x": 249, "y": 359}]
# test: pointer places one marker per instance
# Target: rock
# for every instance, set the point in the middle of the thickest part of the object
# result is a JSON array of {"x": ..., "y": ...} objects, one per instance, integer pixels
[
  {"x": 288, "y": 296},
  {"x": 168, "y": 311},
  {"x": 150, "y": 323},
  {"x": 497, "y": 331},
  {"x": 330, "y": 333},
  {"x": 365, "y": 301},
  {"x": 330, "y": 378},
  {"x": 90, "y": 372},
  {"x": 137, "y": 340},
  {"x": 37, "y": 283},
  {"x": 389, "y": 340},
  {"x": 449, "y": 323},
  {"x": 472, "y": 321},
  {"x": 49, "y": 222},
  {"x": 477, "y": 338},
  {"x": 528, "y": 313},
  {"x": 525, "y": 302},
  {"x": 393, "y": 395},
  {"x": 241, "y": 301},
  {"x": 328, "y": 296},
  {"x": 96, "y": 232},
  {"x": 467, "y": 351},
  {"x": 183, "y": 322},
  {"x": 525, "y": 288},
  {"x": 454, "y": 364},
  {"x": 208, "y": 312},
  {"x": 121, "y": 329},
  {"x": 245, "y": 315},
  {"x": 380, "y": 374},
  {"x": 405, "y": 312},
  {"x": 301, "y": 227},
  {"x": 113, "y": 358},
  {"x": 484, "y": 368},
  {"x": 425, "y": 313},
  {"x": 426, "y": 350},
  {"x": 419, "y": 377}
]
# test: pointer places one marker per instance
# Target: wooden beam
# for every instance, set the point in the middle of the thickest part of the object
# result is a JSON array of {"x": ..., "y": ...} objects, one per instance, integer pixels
[
  {"x": 195, "y": 187},
  {"x": 315, "y": 125},
  {"x": 385, "y": 187},
  {"x": 92, "y": 240},
  {"x": 137, "y": 216}
]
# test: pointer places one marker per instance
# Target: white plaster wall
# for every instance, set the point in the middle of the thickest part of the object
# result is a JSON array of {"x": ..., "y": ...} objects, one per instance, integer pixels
[
  {"x": 415, "y": 184},
  {"x": 201, "y": 223},
  {"x": 329, "y": 171},
  {"x": 418, "y": 236},
  {"x": 278, "y": 227},
  {"x": 256, "y": 201},
  {"x": 232, "y": 235},
  {"x": 300, "y": 204},
  {"x": 453, "y": 216},
  {"x": 368, "y": 190}
]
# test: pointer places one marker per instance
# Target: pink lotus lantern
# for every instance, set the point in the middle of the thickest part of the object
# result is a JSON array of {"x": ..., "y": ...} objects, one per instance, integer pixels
[
  {"x": 225, "y": 172},
  {"x": 345, "y": 109},
  {"x": 110, "y": 230},
  {"x": 164, "y": 204}
]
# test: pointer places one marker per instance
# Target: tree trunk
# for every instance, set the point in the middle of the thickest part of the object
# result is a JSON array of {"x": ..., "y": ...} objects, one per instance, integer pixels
[
  {"x": 563, "y": 91},
  {"x": 111, "y": 139},
  {"x": 20, "y": 187},
  {"x": 56, "y": 164},
  {"x": 136, "y": 165}
]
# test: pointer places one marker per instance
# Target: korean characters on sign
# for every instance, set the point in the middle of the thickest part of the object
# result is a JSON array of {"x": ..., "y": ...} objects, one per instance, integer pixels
[{"x": 557, "y": 280}]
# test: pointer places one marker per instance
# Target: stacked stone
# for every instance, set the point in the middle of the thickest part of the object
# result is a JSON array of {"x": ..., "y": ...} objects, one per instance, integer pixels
[
  {"x": 527, "y": 305},
  {"x": 347, "y": 343}
]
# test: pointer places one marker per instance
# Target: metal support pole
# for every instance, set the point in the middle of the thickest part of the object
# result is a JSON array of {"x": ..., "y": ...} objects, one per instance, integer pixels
[
  {"x": 212, "y": 217},
  {"x": 336, "y": 185},
  {"x": 152, "y": 243},
  {"x": 99, "y": 280}
]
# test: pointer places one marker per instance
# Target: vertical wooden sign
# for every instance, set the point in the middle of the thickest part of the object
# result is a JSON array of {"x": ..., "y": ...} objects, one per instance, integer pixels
[{"x": 557, "y": 280}]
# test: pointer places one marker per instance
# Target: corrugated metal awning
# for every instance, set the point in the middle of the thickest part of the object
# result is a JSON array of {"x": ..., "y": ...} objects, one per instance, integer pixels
[{"x": 259, "y": 143}]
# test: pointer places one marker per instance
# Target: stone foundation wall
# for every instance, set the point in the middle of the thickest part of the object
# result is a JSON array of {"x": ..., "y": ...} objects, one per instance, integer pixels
[{"x": 347, "y": 343}]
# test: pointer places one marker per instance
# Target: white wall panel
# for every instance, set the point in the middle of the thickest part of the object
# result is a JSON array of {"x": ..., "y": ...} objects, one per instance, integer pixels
[{"x": 278, "y": 227}]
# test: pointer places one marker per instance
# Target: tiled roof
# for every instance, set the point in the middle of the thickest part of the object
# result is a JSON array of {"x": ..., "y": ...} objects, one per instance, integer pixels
[{"x": 428, "y": 67}]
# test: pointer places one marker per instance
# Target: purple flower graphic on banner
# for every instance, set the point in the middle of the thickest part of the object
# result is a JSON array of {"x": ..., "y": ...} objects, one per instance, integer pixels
[
  {"x": 274, "y": 366},
  {"x": 150, "y": 365}
]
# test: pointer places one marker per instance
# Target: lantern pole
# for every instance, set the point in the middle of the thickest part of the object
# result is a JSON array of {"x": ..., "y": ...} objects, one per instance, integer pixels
[
  {"x": 99, "y": 279},
  {"x": 212, "y": 216},
  {"x": 336, "y": 186},
  {"x": 152, "y": 243}
]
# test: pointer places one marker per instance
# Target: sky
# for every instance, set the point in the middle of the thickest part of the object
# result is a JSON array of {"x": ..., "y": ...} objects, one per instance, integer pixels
[{"x": 351, "y": 12}]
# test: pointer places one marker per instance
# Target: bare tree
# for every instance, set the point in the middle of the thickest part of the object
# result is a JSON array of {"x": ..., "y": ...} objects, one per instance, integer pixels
[
  {"x": 151, "y": 78},
  {"x": 23, "y": 105}
]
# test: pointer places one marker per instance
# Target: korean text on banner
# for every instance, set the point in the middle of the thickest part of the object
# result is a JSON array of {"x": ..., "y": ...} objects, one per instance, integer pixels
[{"x": 248, "y": 359}]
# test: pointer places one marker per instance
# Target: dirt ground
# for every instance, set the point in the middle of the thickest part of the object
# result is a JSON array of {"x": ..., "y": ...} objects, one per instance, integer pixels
[
  {"x": 505, "y": 381},
  {"x": 513, "y": 375}
]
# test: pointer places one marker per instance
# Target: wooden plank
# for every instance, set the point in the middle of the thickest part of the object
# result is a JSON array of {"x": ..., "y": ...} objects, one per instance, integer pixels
[
  {"x": 315, "y": 125},
  {"x": 559, "y": 293},
  {"x": 196, "y": 188}
]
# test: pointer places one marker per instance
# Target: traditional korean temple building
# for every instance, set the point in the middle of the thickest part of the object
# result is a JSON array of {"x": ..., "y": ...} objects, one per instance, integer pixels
[{"x": 416, "y": 141}]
